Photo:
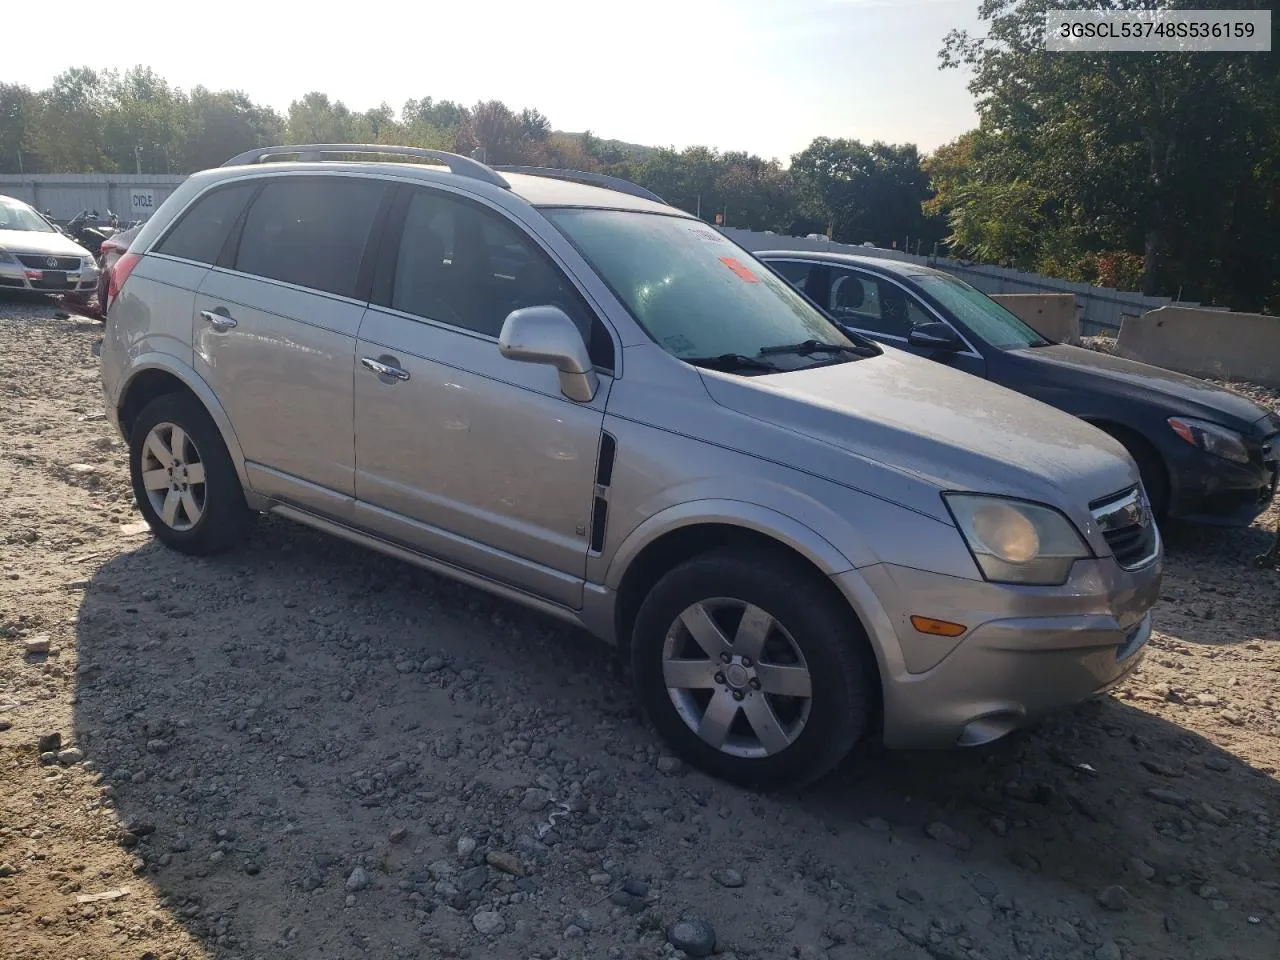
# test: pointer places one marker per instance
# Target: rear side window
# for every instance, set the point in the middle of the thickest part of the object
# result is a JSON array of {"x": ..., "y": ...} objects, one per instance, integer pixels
[
  {"x": 310, "y": 231},
  {"x": 203, "y": 229}
]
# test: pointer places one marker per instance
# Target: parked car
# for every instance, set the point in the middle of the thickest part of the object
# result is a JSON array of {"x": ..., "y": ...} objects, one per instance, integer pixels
[
  {"x": 1206, "y": 454},
  {"x": 35, "y": 256},
  {"x": 555, "y": 387},
  {"x": 109, "y": 253}
]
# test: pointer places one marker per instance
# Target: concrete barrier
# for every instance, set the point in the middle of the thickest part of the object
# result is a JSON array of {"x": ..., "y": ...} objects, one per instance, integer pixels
[
  {"x": 1051, "y": 315},
  {"x": 1206, "y": 343}
]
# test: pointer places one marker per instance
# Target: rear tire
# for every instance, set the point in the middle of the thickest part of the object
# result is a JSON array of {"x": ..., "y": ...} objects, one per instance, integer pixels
[
  {"x": 185, "y": 483},
  {"x": 751, "y": 669}
]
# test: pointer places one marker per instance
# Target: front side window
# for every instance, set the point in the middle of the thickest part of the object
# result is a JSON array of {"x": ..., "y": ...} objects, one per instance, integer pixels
[
  {"x": 15, "y": 215},
  {"x": 693, "y": 291},
  {"x": 987, "y": 319},
  {"x": 310, "y": 231},
  {"x": 465, "y": 266},
  {"x": 203, "y": 229}
]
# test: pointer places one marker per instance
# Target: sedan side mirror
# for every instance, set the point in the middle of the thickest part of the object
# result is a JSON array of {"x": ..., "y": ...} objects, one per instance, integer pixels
[
  {"x": 934, "y": 336},
  {"x": 547, "y": 335}
]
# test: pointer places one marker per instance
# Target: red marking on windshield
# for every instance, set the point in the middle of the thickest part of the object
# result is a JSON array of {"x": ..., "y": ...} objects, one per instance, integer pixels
[{"x": 740, "y": 269}]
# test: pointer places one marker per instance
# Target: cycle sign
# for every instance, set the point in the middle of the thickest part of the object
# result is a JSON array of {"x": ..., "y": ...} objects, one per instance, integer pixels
[{"x": 142, "y": 203}]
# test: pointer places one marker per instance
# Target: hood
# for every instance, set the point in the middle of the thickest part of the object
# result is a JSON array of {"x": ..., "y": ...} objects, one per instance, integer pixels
[
  {"x": 1182, "y": 394},
  {"x": 29, "y": 241},
  {"x": 950, "y": 429}
]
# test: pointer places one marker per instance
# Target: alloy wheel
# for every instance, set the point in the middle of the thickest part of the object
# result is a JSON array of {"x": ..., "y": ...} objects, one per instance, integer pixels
[
  {"x": 737, "y": 677},
  {"x": 173, "y": 476}
]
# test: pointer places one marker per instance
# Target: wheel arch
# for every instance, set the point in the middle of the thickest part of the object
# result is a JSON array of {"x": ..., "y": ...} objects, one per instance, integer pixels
[
  {"x": 679, "y": 533},
  {"x": 1133, "y": 439},
  {"x": 159, "y": 374}
]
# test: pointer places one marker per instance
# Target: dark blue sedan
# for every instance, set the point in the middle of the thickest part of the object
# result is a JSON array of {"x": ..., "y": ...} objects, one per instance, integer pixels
[{"x": 1206, "y": 454}]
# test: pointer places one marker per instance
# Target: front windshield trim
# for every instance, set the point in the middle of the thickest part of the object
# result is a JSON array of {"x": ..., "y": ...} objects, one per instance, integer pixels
[
  {"x": 819, "y": 322},
  {"x": 926, "y": 283}
]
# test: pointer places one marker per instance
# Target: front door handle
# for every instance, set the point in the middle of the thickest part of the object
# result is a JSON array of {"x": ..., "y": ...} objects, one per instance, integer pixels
[
  {"x": 384, "y": 369},
  {"x": 218, "y": 319}
]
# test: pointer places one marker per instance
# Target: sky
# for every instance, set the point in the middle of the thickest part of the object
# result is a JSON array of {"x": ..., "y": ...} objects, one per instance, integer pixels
[{"x": 765, "y": 76}]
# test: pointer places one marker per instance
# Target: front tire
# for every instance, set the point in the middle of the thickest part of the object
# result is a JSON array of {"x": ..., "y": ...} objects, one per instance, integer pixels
[
  {"x": 183, "y": 478},
  {"x": 752, "y": 669},
  {"x": 1151, "y": 469}
]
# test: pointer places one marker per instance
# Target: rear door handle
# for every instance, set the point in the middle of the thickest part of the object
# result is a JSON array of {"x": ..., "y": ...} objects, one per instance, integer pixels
[
  {"x": 384, "y": 369},
  {"x": 218, "y": 319}
]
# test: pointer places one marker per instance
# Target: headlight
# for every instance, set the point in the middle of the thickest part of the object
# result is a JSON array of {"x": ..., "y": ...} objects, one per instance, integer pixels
[
  {"x": 1211, "y": 438},
  {"x": 7, "y": 257},
  {"x": 1017, "y": 542}
]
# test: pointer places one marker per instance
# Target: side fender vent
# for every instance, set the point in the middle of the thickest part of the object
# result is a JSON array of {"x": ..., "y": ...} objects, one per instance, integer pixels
[{"x": 604, "y": 468}]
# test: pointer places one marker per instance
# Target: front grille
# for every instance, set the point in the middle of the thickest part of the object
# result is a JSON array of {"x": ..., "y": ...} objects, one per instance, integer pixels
[
  {"x": 37, "y": 261},
  {"x": 1128, "y": 527}
]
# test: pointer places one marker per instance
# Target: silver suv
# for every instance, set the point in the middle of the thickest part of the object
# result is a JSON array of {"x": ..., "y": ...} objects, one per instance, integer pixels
[{"x": 553, "y": 386}]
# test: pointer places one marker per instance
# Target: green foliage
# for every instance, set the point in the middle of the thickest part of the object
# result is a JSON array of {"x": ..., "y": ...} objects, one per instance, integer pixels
[
  {"x": 88, "y": 121},
  {"x": 1168, "y": 156}
]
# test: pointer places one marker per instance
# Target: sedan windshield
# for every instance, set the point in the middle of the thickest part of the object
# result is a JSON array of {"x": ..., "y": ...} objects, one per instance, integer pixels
[
  {"x": 18, "y": 216},
  {"x": 986, "y": 318},
  {"x": 695, "y": 293}
]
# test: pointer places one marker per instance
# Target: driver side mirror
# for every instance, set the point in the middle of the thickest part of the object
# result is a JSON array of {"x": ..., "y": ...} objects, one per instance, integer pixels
[
  {"x": 934, "y": 336},
  {"x": 547, "y": 335}
]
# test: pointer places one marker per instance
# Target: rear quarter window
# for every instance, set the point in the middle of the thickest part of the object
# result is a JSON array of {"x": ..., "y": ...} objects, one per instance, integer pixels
[{"x": 200, "y": 232}]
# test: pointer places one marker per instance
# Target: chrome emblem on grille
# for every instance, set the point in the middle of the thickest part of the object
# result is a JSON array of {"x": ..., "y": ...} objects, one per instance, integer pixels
[{"x": 51, "y": 261}]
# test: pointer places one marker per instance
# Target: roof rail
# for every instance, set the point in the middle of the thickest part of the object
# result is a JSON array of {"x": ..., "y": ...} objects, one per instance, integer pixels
[
  {"x": 462, "y": 166},
  {"x": 582, "y": 176}
]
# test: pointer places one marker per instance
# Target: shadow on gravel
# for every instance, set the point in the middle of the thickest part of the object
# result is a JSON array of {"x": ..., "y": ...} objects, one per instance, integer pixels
[
  {"x": 1189, "y": 543},
  {"x": 272, "y": 719}
]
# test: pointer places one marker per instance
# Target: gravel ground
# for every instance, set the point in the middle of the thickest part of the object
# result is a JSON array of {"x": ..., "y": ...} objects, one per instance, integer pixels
[{"x": 303, "y": 750}]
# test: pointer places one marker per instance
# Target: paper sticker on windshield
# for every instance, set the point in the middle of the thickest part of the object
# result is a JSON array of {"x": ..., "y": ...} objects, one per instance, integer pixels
[
  {"x": 708, "y": 235},
  {"x": 740, "y": 269}
]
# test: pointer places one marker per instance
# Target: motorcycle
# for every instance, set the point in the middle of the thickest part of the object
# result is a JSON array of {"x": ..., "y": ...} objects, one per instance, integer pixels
[{"x": 83, "y": 229}]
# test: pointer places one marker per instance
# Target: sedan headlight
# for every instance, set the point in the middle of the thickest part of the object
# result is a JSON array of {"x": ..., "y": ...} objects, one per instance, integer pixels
[
  {"x": 7, "y": 257},
  {"x": 1211, "y": 438},
  {"x": 1017, "y": 542}
]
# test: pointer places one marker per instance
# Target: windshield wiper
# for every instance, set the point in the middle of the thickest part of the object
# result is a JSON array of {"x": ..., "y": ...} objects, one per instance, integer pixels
[
  {"x": 807, "y": 348},
  {"x": 732, "y": 361}
]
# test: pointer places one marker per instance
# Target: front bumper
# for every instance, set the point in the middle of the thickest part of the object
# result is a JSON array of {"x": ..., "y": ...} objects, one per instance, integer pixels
[
  {"x": 17, "y": 276},
  {"x": 1211, "y": 490},
  {"x": 1029, "y": 651}
]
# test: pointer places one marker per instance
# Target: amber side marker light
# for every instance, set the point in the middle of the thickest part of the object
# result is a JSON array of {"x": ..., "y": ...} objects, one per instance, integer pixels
[{"x": 938, "y": 628}]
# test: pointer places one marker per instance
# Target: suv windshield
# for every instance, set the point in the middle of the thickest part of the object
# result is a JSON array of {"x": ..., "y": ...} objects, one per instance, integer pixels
[
  {"x": 18, "y": 216},
  {"x": 986, "y": 318},
  {"x": 695, "y": 293}
]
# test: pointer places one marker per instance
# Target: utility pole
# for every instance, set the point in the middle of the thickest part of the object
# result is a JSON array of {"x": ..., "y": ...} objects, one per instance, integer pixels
[{"x": 20, "y": 171}]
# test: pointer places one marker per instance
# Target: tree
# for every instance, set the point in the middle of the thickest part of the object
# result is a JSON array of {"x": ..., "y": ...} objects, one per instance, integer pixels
[
  {"x": 862, "y": 193},
  {"x": 497, "y": 130},
  {"x": 224, "y": 124},
  {"x": 536, "y": 126},
  {"x": 67, "y": 131},
  {"x": 1156, "y": 153},
  {"x": 19, "y": 110}
]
